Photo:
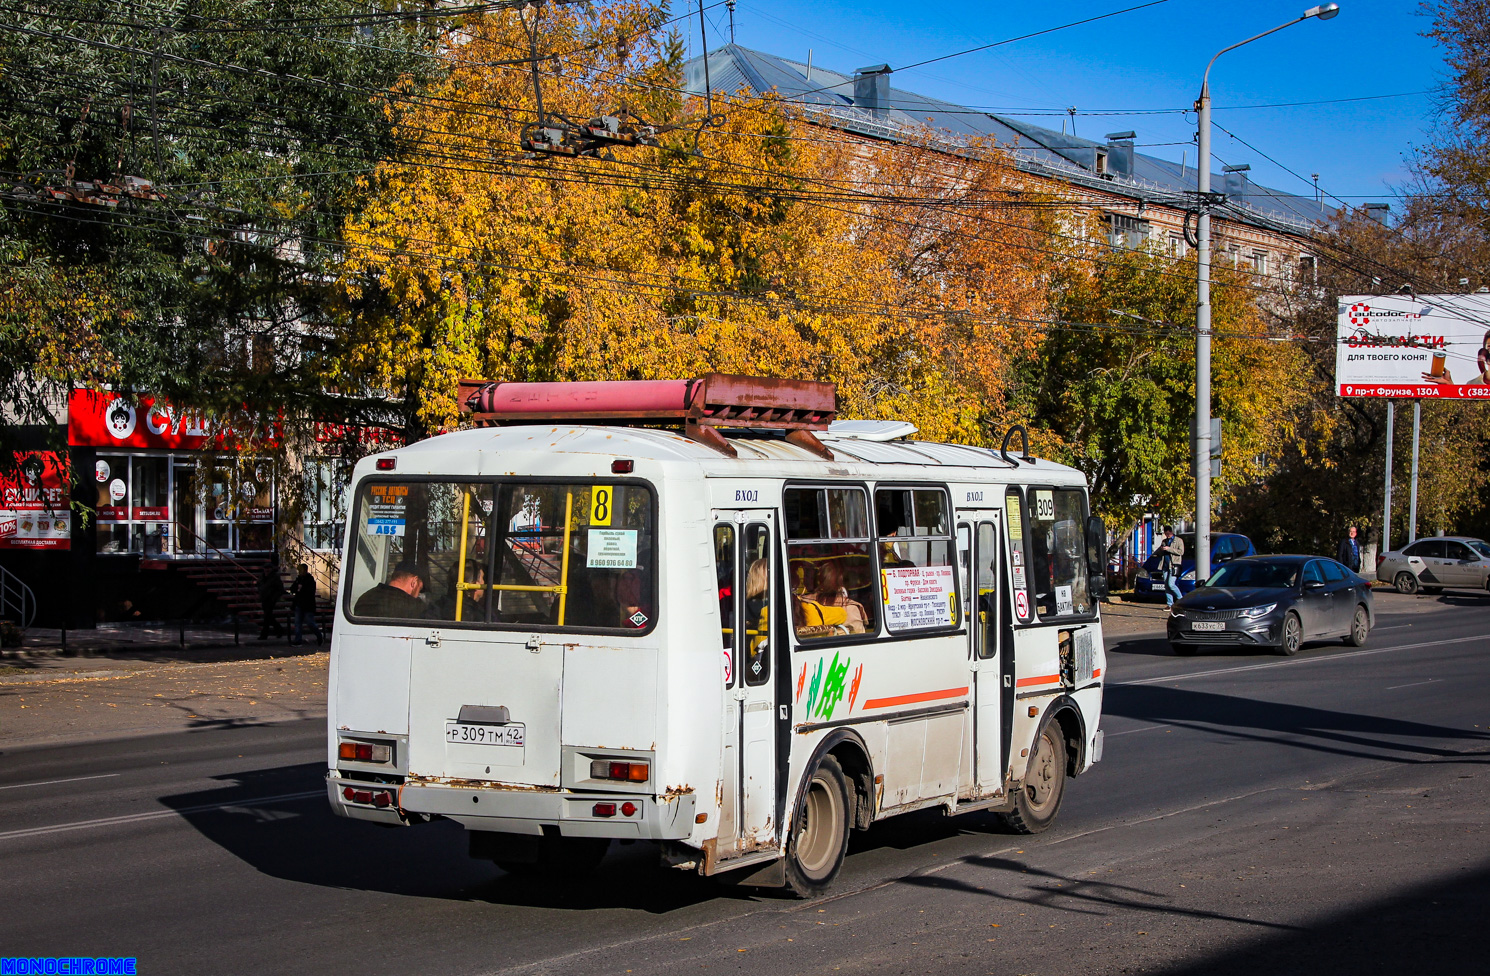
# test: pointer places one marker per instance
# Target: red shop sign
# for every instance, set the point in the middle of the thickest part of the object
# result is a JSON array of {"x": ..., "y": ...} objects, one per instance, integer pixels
[{"x": 101, "y": 418}]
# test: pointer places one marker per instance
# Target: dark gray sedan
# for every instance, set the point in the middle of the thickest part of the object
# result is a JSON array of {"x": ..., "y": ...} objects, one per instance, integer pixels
[{"x": 1276, "y": 602}]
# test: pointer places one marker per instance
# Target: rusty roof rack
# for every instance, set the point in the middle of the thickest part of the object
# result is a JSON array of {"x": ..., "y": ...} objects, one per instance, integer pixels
[{"x": 699, "y": 406}]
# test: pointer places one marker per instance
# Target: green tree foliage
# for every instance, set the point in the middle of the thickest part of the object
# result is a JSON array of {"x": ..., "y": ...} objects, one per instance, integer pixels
[
  {"x": 253, "y": 121},
  {"x": 1113, "y": 391}
]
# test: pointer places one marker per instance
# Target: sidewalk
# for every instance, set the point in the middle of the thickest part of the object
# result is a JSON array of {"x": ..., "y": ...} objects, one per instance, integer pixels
[{"x": 155, "y": 641}]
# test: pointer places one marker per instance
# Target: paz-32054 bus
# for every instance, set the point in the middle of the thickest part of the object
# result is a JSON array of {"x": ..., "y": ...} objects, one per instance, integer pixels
[{"x": 741, "y": 636}]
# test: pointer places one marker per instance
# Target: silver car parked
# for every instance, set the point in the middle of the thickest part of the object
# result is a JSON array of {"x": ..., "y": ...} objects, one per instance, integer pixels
[{"x": 1432, "y": 564}]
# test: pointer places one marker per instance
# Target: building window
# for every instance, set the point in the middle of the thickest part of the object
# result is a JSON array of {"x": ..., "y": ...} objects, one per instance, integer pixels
[
  {"x": 1306, "y": 268},
  {"x": 1124, "y": 230},
  {"x": 1259, "y": 261},
  {"x": 1177, "y": 245},
  {"x": 1101, "y": 164}
]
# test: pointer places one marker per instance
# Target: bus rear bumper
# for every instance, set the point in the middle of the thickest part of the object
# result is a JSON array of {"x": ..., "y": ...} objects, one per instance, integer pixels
[{"x": 528, "y": 811}]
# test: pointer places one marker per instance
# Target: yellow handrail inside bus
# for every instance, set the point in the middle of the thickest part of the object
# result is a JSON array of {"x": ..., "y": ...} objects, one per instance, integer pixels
[
  {"x": 460, "y": 572},
  {"x": 564, "y": 561}
]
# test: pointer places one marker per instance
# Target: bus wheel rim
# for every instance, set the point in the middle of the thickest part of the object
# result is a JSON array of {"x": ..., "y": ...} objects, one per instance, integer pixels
[
  {"x": 822, "y": 819},
  {"x": 1041, "y": 777}
]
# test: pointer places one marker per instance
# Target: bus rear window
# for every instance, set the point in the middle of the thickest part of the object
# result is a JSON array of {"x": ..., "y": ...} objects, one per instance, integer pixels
[{"x": 573, "y": 555}]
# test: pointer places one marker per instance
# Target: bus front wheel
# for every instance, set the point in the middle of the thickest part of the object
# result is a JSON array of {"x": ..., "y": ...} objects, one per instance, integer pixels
[
  {"x": 819, "y": 836},
  {"x": 1039, "y": 796}
]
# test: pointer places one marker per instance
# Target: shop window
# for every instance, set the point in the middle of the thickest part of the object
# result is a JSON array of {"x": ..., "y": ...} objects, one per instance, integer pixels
[
  {"x": 325, "y": 503},
  {"x": 914, "y": 528}
]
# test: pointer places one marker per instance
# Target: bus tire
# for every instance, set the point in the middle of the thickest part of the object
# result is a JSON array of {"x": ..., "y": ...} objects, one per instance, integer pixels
[
  {"x": 1039, "y": 797},
  {"x": 820, "y": 830}
]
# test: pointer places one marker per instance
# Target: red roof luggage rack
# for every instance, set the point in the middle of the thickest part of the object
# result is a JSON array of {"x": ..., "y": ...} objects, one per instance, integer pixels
[{"x": 698, "y": 406}]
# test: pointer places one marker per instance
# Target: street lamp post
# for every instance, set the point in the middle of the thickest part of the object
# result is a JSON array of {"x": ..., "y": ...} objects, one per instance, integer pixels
[{"x": 1203, "y": 308}]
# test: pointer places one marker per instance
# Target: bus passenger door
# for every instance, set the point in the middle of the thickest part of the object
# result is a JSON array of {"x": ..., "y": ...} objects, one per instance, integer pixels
[
  {"x": 746, "y": 568},
  {"x": 988, "y": 759}
]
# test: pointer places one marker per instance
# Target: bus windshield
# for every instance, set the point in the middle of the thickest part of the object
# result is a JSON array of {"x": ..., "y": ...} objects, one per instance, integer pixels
[
  {"x": 1259, "y": 575},
  {"x": 527, "y": 555}
]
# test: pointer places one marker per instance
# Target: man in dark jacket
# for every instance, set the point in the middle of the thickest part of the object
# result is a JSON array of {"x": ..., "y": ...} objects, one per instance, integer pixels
[
  {"x": 399, "y": 597},
  {"x": 271, "y": 588},
  {"x": 1350, "y": 551},
  {"x": 303, "y": 605}
]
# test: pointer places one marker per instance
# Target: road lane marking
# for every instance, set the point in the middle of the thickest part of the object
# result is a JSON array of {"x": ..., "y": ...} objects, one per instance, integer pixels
[
  {"x": 156, "y": 815},
  {"x": 1146, "y": 728},
  {"x": 1411, "y": 685},
  {"x": 1294, "y": 661},
  {"x": 54, "y": 782}
]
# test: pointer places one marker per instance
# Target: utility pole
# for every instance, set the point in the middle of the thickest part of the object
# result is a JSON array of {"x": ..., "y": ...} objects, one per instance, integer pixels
[
  {"x": 1386, "y": 514},
  {"x": 1203, "y": 296},
  {"x": 730, "y": 6},
  {"x": 1412, "y": 505}
]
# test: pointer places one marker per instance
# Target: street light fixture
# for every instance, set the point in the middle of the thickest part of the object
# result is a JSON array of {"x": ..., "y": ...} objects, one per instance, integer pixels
[{"x": 1203, "y": 308}]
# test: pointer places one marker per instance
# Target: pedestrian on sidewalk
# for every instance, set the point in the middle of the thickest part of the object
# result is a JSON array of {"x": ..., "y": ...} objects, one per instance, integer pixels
[
  {"x": 271, "y": 588},
  {"x": 1350, "y": 551},
  {"x": 303, "y": 605},
  {"x": 1173, "y": 551}
]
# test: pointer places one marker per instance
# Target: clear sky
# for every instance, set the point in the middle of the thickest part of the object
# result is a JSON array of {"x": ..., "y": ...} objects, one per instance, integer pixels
[{"x": 1149, "y": 59}]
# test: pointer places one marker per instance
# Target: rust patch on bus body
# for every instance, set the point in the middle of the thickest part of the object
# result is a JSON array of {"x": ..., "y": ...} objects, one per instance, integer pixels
[
  {"x": 479, "y": 784},
  {"x": 674, "y": 792}
]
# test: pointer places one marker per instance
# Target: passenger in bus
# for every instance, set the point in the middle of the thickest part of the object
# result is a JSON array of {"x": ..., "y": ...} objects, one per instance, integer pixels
[
  {"x": 472, "y": 601},
  {"x": 399, "y": 597},
  {"x": 757, "y": 615},
  {"x": 592, "y": 597},
  {"x": 831, "y": 595},
  {"x": 634, "y": 610}
]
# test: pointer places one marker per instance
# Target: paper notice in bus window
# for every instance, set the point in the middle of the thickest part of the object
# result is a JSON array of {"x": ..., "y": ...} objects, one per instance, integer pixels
[
  {"x": 1019, "y": 577},
  {"x": 918, "y": 596},
  {"x": 385, "y": 513},
  {"x": 612, "y": 549},
  {"x": 1063, "y": 603}
]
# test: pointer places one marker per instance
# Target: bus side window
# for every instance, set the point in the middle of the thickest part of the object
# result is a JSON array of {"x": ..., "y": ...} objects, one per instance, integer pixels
[
  {"x": 724, "y": 572},
  {"x": 985, "y": 603},
  {"x": 914, "y": 529},
  {"x": 756, "y": 615}
]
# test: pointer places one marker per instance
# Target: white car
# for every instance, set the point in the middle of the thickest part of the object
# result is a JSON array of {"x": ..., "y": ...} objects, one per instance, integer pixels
[{"x": 1432, "y": 564}]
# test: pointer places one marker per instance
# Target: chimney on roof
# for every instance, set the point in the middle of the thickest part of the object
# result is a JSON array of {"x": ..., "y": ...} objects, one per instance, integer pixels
[
  {"x": 872, "y": 89},
  {"x": 1120, "y": 153},
  {"x": 1238, "y": 183}
]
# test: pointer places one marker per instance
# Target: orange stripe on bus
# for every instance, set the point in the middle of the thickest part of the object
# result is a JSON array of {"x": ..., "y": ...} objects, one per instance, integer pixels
[
  {"x": 1044, "y": 679},
  {"x": 912, "y": 699}
]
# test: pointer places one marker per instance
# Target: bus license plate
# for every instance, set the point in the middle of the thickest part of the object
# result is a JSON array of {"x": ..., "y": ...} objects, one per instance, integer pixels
[
  {"x": 485, "y": 735},
  {"x": 1207, "y": 625}
]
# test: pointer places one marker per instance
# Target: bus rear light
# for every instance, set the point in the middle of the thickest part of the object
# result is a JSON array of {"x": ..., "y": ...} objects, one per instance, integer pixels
[
  {"x": 628, "y": 809},
  {"x": 387, "y": 464},
  {"x": 378, "y": 798},
  {"x": 628, "y": 772},
  {"x": 605, "y": 810},
  {"x": 365, "y": 752},
  {"x": 622, "y": 466},
  {"x": 382, "y": 799}
]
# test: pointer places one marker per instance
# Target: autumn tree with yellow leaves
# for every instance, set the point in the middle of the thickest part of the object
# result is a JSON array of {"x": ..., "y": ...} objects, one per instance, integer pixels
[{"x": 753, "y": 241}]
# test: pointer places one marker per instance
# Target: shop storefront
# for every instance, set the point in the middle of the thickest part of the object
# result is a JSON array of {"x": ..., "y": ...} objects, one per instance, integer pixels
[{"x": 162, "y": 487}]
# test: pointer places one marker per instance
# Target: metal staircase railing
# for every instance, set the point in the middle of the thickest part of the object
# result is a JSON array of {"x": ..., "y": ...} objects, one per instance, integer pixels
[{"x": 16, "y": 598}]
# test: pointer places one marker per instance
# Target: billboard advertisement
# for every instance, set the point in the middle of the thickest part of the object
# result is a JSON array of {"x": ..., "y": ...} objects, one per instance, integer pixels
[
  {"x": 1423, "y": 346},
  {"x": 34, "y": 512}
]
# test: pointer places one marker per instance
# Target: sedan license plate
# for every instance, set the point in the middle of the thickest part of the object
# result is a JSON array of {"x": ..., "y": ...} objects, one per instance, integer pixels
[
  {"x": 1207, "y": 625},
  {"x": 485, "y": 735}
]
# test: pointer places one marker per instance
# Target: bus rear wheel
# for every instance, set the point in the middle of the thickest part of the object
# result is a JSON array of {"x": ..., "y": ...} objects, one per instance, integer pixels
[
  {"x": 1039, "y": 796},
  {"x": 820, "y": 829}
]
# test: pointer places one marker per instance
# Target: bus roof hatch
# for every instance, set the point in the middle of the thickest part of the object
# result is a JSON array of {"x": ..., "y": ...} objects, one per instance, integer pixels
[{"x": 699, "y": 406}]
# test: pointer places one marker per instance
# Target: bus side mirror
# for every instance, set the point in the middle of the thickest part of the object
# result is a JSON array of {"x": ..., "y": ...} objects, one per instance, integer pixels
[{"x": 1096, "y": 556}]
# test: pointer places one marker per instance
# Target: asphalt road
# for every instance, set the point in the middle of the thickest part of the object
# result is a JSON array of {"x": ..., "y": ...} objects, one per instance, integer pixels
[{"x": 1324, "y": 814}]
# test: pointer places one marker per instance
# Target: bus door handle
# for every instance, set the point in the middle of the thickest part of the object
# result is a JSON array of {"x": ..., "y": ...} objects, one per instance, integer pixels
[{"x": 433, "y": 640}]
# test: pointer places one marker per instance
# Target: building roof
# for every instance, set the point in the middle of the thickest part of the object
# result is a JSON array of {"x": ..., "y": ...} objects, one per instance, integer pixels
[{"x": 1036, "y": 149}]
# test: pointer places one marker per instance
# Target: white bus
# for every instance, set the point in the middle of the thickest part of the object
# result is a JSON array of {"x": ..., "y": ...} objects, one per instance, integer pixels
[{"x": 740, "y": 642}]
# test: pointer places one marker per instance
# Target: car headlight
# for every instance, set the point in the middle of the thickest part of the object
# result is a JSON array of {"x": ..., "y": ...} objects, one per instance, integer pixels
[
  {"x": 1262, "y": 611},
  {"x": 1188, "y": 577}
]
